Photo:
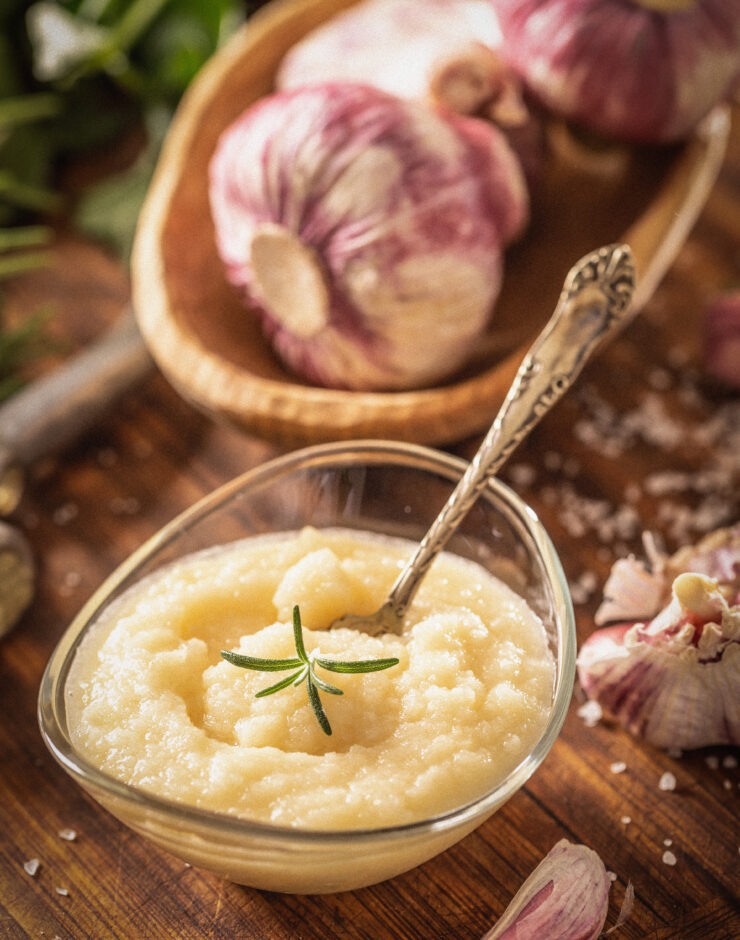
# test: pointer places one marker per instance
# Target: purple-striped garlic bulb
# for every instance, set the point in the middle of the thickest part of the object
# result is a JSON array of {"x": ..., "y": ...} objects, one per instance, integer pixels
[
  {"x": 413, "y": 49},
  {"x": 366, "y": 230},
  {"x": 566, "y": 897},
  {"x": 637, "y": 70},
  {"x": 671, "y": 674}
]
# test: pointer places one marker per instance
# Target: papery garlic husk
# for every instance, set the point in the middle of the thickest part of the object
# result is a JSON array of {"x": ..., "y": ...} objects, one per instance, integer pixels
[
  {"x": 722, "y": 338},
  {"x": 636, "y": 70},
  {"x": 367, "y": 231},
  {"x": 674, "y": 679},
  {"x": 565, "y": 898}
]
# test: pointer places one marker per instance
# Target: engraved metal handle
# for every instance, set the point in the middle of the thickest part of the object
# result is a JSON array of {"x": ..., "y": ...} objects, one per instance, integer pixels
[{"x": 593, "y": 303}]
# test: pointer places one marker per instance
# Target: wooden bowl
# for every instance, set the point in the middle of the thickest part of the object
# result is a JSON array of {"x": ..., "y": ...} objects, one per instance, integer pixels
[{"x": 213, "y": 351}]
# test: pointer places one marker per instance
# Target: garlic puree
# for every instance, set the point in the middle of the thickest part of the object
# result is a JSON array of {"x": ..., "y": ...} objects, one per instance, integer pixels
[{"x": 151, "y": 701}]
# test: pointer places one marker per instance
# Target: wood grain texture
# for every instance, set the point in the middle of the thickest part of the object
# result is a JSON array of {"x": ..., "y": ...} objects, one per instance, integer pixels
[{"x": 86, "y": 510}]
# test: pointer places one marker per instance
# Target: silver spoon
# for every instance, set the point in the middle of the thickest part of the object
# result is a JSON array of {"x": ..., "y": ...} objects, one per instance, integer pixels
[{"x": 594, "y": 302}]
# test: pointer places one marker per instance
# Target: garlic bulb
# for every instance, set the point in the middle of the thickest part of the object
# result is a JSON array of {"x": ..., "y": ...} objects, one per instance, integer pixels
[
  {"x": 672, "y": 677},
  {"x": 640, "y": 70},
  {"x": 368, "y": 231},
  {"x": 409, "y": 48},
  {"x": 565, "y": 897}
]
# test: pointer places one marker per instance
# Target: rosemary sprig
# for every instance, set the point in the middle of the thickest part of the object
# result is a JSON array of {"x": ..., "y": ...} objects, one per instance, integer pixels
[{"x": 305, "y": 671}]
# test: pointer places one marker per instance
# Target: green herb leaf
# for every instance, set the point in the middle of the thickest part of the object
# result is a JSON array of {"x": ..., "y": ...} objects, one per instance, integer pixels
[
  {"x": 298, "y": 676},
  {"x": 357, "y": 665},
  {"x": 261, "y": 665},
  {"x": 306, "y": 671}
]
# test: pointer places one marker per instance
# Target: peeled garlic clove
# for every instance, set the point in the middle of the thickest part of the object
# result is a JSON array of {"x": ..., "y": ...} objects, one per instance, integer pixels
[
  {"x": 644, "y": 70},
  {"x": 366, "y": 230},
  {"x": 675, "y": 679},
  {"x": 565, "y": 898}
]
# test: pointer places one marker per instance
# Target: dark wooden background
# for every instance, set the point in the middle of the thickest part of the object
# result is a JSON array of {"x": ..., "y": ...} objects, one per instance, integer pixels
[{"x": 647, "y": 440}]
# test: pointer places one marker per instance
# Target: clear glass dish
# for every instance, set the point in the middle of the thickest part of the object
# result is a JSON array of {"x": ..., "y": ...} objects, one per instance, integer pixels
[{"x": 385, "y": 487}]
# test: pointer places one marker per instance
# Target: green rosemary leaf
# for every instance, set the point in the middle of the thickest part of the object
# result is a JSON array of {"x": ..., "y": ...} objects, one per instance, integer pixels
[
  {"x": 358, "y": 665},
  {"x": 318, "y": 708},
  {"x": 298, "y": 635},
  {"x": 298, "y": 676},
  {"x": 263, "y": 665},
  {"x": 326, "y": 686},
  {"x": 305, "y": 671}
]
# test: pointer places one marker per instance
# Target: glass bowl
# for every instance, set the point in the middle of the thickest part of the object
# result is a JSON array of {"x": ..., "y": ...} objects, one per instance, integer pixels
[{"x": 390, "y": 488}]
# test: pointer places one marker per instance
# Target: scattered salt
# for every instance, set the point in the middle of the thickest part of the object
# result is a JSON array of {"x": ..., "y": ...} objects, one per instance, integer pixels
[
  {"x": 63, "y": 891},
  {"x": 522, "y": 474},
  {"x": 31, "y": 866},
  {"x": 125, "y": 506},
  {"x": 667, "y": 781},
  {"x": 553, "y": 460},
  {"x": 65, "y": 513},
  {"x": 618, "y": 767},
  {"x": 667, "y": 842},
  {"x": 669, "y": 858},
  {"x": 611, "y": 875},
  {"x": 727, "y": 784},
  {"x": 729, "y": 761},
  {"x": 712, "y": 761},
  {"x": 69, "y": 835},
  {"x": 626, "y": 820},
  {"x": 591, "y": 713}
]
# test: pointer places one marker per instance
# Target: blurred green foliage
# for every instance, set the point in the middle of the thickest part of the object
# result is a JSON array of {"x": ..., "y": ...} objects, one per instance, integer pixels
[{"x": 76, "y": 76}]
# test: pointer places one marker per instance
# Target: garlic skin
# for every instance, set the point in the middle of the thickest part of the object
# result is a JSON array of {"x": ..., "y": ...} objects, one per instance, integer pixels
[
  {"x": 637, "y": 70},
  {"x": 407, "y": 48},
  {"x": 722, "y": 338},
  {"x": 366, "y": 230},
  {"x": 674, "y": 678},
  {"x": 565, "y": 898}
]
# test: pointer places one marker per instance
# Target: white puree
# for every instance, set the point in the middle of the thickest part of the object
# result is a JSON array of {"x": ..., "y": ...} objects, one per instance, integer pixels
[{"x": 150, "y": 700}]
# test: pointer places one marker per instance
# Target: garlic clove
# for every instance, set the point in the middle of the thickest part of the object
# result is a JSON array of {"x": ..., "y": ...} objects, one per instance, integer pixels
[
  {"x": 631, "y": 592},
  {"x": 565, "y": 897},
  {"x": 674, "y": 680}
]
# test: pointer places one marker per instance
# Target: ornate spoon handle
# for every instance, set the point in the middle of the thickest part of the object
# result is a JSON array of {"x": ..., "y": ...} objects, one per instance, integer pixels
[{"x": 593, "y": 303}]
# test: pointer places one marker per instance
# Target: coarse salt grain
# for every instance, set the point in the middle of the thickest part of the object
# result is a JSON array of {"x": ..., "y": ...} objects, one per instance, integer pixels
[
  {"x": 69, "y": 835},
  {"x": 618, "y": 767},
  {"x": 63, "y": 891},
  {"x": 669, "y": 858},
  {"x": 667, "y": 842},
  {"x": 667, "y": 781},
  {"x": 31, "y": 866},
  {"x": 727, "y": 784},
  {"x": 611, "y": 875},
  {"x": 626, "y": 820},
  {"x": 522, "y": 474},
  {"x": 65, "y": 513},
  {"x": 729, "y": 761},
  {"x": 712, "y": 761},
  {"x": 591, "y": 713}
]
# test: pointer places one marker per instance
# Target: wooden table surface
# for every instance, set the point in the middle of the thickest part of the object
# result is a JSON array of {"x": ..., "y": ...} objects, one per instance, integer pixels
[{"x": 645, "y": 441}]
